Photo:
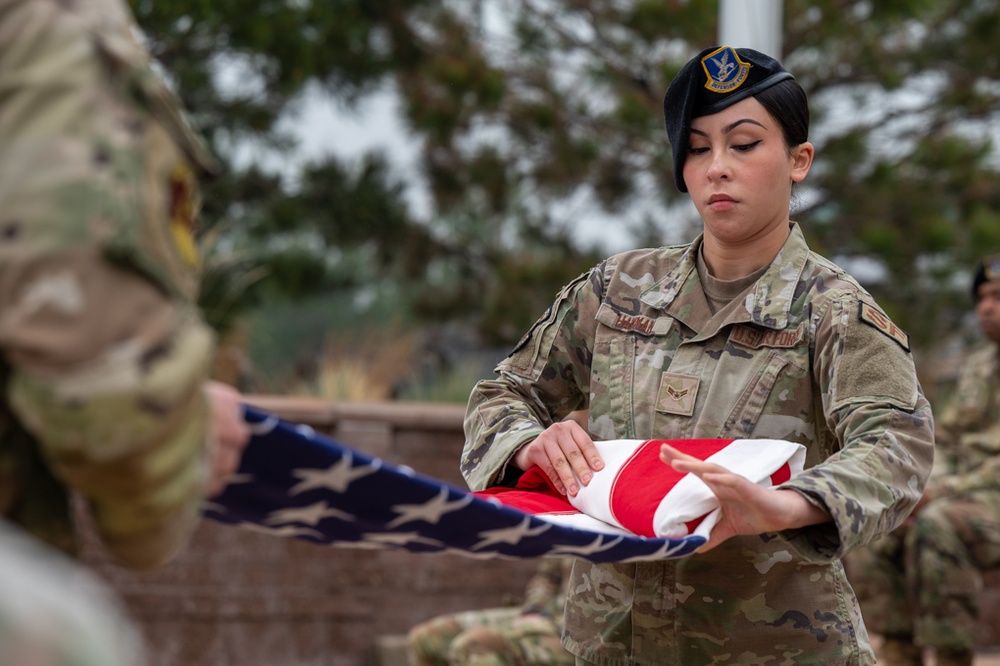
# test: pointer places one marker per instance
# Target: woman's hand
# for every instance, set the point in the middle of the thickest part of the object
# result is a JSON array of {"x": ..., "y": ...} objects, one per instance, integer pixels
[
  {"x": 562, "y": 450},
  {"x": 746, "y": 508}
]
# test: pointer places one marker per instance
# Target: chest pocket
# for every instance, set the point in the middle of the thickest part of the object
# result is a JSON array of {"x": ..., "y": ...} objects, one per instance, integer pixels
[
  {"x": 735, "y": 390},
  {"x": 775, "y": 396},
  {"x": 630, "y": 354},
  {"x": 750, "y": 404}
]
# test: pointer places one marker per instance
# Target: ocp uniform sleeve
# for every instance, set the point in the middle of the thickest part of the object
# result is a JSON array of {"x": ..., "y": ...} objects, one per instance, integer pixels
[
  {"x": 874, "y": 407},
  {"x": 543, "y": 379},
  {"x": 98, "y": 273}
]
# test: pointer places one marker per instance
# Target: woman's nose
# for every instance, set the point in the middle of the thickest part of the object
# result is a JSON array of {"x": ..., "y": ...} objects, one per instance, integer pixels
[{"x": 718, "y": 168}]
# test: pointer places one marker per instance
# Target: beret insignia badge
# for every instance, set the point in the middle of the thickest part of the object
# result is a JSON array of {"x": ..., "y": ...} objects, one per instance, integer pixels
[
  {"x": 992, "y": 267},
  {"x": 724, "y": 69}
]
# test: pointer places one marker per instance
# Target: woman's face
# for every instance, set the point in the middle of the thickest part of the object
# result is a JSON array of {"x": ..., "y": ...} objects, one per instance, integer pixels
[
  {"x": 739, "y": 172},
  {"x": 988, "y": 309}
]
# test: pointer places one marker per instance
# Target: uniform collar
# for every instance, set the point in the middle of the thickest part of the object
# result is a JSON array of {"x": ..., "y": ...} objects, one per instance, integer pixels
[{"x": 773, "y": 293}]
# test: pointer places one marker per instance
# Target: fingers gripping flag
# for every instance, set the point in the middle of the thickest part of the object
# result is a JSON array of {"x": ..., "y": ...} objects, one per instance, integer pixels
[
  {"x": 294, "y": 482},
  {"x": 637, "y": 494}
]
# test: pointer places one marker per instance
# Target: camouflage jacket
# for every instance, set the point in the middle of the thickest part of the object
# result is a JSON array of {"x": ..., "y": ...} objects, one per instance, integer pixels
[
  {"x": 545, "y": 593},
  {"x": 55, "y": 611},
  {"x": 969, "y": 429},
  {"x": 806, "y": 357},
  {"x": 104, "y": 352}
]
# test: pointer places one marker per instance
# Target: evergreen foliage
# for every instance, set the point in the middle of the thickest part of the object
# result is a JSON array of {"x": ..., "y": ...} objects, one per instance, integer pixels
[{"x": 533, "y": 113}]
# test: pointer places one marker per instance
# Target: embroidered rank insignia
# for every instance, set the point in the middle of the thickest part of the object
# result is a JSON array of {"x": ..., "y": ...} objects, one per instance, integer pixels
[
  {"x": 677, "y": 394},
  {"x": 883, "y": 324},
  {"x": 184, "y": 212},
  {"x": 724, "y": 69}
]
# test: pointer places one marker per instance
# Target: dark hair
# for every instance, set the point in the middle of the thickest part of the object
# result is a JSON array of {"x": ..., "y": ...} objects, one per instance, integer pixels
[
  {"x": 977, "y": 279},
  {"x": 786, "y": 102},
  {"x": 987, "y": 270}
]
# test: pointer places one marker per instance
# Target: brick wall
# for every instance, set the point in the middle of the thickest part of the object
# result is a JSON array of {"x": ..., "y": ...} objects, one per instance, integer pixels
[{"x": 239, "y": 598}]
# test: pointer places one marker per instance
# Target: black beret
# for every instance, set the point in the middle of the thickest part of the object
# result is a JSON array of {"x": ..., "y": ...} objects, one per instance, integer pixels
[
  {"x": 988, "y": 270},
  {"x": 716, "y": 78}
]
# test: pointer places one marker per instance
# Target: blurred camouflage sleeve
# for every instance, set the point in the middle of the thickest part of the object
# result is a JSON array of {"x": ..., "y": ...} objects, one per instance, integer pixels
[
  {"x": 546, "y": 591},
  {"x": 969, "y": 429},
  {"x": 98, "y": 271},
  {"x": 507, "y": 412},
  {"x": 874, "y": 407},
  {"x": 54, "y": 611},
  {"x": 983, "y": 477}
]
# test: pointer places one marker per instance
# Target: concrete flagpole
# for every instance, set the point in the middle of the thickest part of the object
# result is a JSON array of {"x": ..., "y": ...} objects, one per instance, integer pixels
[{"x": 754, "y": 24}]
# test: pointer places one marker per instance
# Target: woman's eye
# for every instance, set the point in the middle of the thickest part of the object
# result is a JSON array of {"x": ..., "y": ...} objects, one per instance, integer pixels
[
  {"x": 697, "y": 151},
  {"x": 746, "y": 147}
]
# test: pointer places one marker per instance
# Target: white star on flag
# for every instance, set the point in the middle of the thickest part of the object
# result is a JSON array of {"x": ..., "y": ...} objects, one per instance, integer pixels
[
  {"x": 337, "y": 477},
  {"x": 430, "y": 511},
  {"x": 509, "y": 535},
  {"x": 310, "y": 514},
  {"x": 400, "y": 538},
  {"x": 598, "y": 545},
  {"x": 286, "y": 531}
]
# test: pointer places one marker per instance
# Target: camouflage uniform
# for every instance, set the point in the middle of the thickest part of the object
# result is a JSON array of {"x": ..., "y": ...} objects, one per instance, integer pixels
[
  {"x": 805, "y": 356},
  {"x": 104, "y": 350},
  {"x": 54, "y": 612},
  {"x": 922, "y": 580},
  {"x": 514, "y": 636}
]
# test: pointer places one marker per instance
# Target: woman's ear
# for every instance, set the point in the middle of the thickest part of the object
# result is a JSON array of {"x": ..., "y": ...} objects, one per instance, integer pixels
[{"x": 802, "y": 159}]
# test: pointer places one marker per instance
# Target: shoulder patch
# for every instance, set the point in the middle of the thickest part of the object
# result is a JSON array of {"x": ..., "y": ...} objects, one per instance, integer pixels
[
  {"x": 550, "y": 313},
  {"x": 531, "y": 332},
  {"x": 183, "y": 212},
  {"x": 877, "y": 319}
]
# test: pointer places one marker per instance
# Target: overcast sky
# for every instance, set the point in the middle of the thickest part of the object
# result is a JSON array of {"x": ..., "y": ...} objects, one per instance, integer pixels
[{"x": 327, "y": 127}]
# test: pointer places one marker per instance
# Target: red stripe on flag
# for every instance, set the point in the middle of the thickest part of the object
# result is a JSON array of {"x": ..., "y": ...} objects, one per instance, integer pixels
[
  {"x": 781, "y": 475},
  {"x": 534, "y": 493},
  {"x": 644, "y": 480}
]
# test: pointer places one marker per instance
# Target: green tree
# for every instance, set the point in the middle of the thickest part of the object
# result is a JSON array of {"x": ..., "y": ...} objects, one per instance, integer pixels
[
  {"x": 534, "y": 113},
  {"x": 905, "y": 95},
  {"x": 337, "y": 225},
  {"x": 904, "y": 98}
]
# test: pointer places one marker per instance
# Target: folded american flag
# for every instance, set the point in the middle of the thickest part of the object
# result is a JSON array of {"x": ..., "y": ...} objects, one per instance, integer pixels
[
  {"x": 636, "y": 494},
  {"x": 294, "y": 482}
]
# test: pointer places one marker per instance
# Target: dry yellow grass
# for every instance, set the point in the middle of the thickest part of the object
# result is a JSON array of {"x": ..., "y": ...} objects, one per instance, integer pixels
[{"x": 363, "y": 369}]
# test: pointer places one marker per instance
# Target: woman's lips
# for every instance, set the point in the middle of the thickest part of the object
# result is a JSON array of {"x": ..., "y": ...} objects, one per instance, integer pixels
[{"x": 721, "y": 202}]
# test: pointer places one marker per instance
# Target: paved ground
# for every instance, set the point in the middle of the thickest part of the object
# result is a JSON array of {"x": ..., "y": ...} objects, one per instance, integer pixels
[
  {"x": 987, "y": 659},
  {"x": 391, "y": 651},
  {"x": 991, "y": 658}
]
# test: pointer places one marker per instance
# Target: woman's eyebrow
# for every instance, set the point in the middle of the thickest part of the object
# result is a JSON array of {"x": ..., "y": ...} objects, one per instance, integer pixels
[{"x": 730, "y": 127}]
